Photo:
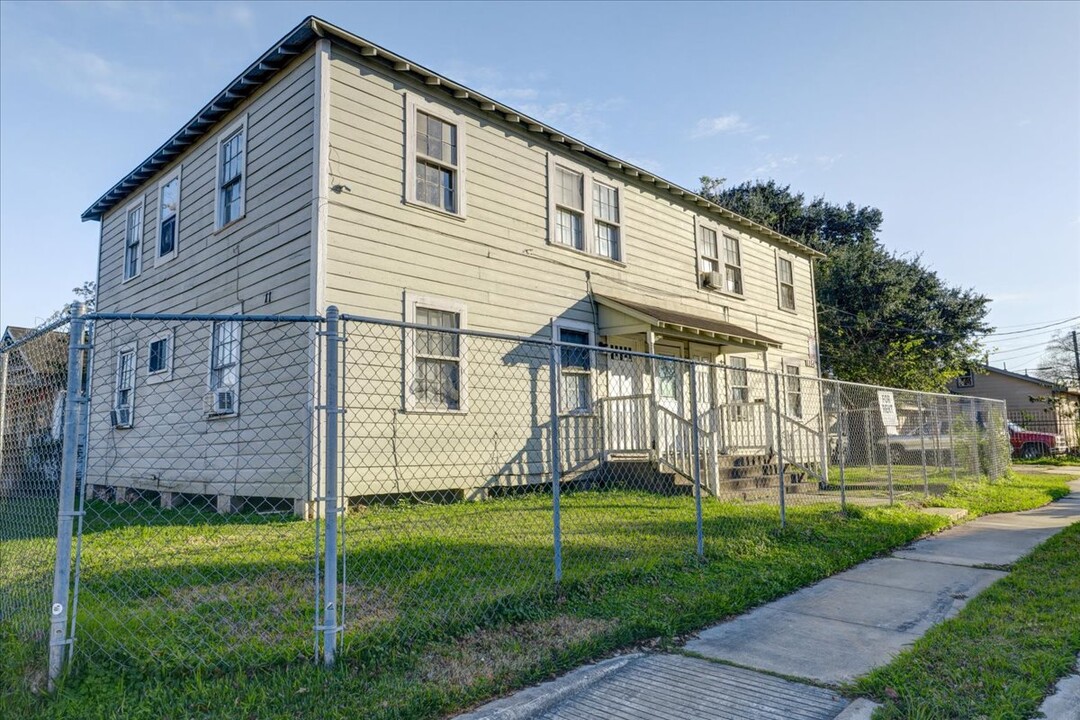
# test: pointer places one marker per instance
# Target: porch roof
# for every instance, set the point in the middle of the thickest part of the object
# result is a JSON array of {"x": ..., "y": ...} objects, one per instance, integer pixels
[{"x": 686, "y": 323}]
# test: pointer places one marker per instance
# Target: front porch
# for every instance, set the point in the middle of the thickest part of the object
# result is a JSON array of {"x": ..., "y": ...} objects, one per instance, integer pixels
[{"x": 674, "y": 393}]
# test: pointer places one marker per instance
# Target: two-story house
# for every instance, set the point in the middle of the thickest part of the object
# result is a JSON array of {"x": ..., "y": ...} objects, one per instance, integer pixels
[{"x": 333, "y": 171}]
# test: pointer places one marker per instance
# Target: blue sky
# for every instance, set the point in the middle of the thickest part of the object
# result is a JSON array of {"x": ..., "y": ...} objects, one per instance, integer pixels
[{"x": 960, "y": 121}]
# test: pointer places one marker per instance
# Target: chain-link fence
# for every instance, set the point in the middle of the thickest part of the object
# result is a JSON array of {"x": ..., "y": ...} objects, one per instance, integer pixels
[{"x": 252, "y": 490}]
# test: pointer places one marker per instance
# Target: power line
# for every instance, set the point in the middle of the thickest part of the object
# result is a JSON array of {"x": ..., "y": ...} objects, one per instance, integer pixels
[
  {"x": 1035, "y": 329},
  {"x": 1028, "y": 325}
]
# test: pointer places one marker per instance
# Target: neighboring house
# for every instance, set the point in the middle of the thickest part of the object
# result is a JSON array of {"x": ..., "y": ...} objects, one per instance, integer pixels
[
  {"x": 1031, "y": 402},
  {"x": 33, "y": 379},
  {"x": 335, "y": 172}
]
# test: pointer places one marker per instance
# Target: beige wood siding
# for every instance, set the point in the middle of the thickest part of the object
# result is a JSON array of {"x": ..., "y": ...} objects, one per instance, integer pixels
[
  {"x": 499, "y": 262},
  {"x": 172, "y": 446}
]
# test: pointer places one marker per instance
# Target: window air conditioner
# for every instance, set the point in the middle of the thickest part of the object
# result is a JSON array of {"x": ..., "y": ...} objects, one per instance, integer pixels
[
  {"x": 713, "y": 279},
  {"x": 121, "y": 417},
  {"x": 221, "y": 401}
]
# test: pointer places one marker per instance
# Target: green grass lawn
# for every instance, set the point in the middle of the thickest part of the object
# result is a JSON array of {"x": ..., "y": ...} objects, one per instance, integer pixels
[
  {"x": 1052, "y": 461},
  {"x": 185, "y": 614},
  {"x": 1001, "y": 655},
  {"x": 1019, "y": 491}
]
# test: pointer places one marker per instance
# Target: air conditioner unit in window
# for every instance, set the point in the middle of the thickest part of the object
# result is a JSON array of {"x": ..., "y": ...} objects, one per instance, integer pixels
[
  {"x": 121, "y": 417},
  {"x": 966, "y": 381},
  {"x": 221, "y": 401},
  {"x": 713, "y": 279}
]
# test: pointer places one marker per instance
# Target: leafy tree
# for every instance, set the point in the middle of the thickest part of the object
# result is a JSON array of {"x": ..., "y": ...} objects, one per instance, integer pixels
[
  {"x": 1058, "y": 363},
  {"x": 883, "y": 319},
  {"x": 85, "y": 293}
]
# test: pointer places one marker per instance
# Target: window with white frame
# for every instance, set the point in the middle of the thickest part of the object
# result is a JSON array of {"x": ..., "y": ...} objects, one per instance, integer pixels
[
  {"x": 585, "y": 214},
  {"x": 786, "y": 277},
  {"x": 224, "y": 367},
  {"x": 708, "y": 250},
  {"x": 738, "y": 385},
  {"x": 606, "y": 220},
  {"x": 125, "y": 387},
  {"x": 133, "y": 231},
  {"x": 232, "y": 168},
  {"x": 732, "y": 265},
  {"x": 569, "y": 208},
  {"x": 575, "y": 381},
  {"x": 435, "y": 157},
  {"x": 159, "y": 358},
  {"x": 793, "y": 390},
  {"x": 168, "y": 217},
  {"x": 435, "y": 362}
]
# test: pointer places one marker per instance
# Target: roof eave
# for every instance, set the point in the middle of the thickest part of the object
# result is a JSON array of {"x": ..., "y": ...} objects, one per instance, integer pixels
[
  {"x": 242, "y": 87},
  {"x": 312, "y": 27}
]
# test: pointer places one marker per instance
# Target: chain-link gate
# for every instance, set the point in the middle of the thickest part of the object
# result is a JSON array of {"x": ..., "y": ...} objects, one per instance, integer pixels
[{"x": 243, "y": 491}]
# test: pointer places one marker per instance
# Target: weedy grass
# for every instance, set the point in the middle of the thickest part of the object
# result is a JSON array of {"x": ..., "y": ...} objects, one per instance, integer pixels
[{"x": 191, "y": 615}]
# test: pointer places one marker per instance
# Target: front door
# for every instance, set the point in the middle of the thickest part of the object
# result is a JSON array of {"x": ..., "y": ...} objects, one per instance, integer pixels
[
  {"x": 627, "y": 404},
  {"x": 669, "y": 379}
]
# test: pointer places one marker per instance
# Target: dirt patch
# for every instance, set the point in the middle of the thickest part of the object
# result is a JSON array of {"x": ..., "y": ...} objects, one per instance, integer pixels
[{"x": 494, "y": 652}]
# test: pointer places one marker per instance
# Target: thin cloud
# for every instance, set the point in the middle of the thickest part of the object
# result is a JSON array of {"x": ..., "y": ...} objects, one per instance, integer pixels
[
  {"x": 773, "y": 163},
  {"x": 730, "y": 123},
  {"x": 89, "y": 75},
  {"x": 580, "y": 118}
]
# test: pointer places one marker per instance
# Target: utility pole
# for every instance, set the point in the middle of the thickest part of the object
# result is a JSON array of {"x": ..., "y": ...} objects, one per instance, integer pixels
[{"x": 1076, "y": 355}]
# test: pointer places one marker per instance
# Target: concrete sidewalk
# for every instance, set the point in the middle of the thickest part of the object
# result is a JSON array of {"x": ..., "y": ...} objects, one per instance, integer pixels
[{"x": 828, "y": 633}]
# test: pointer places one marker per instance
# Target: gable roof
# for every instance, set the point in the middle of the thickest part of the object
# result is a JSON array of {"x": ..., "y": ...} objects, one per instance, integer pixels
[
  {"x": 297, "y": 40},
  {"x": 50, "y": 350},
  {"x": 1019, "y": 376}
]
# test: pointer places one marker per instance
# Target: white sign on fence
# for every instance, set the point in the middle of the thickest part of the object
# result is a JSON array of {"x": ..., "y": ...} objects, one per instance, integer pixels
[{"x": 887, "y": 404}]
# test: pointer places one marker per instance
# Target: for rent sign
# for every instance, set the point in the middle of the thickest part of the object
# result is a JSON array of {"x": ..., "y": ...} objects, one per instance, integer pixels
[{"x": 887, "y": 405}]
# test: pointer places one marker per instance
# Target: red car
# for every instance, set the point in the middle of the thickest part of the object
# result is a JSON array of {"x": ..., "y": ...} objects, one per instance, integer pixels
[{"x": 1028, "y": 444}]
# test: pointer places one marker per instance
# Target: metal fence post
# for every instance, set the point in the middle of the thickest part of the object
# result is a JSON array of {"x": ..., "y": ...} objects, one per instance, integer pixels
[
  {"x": 554, "y": 364},
  {"x": 952, "y": 438},
  {"x": 922, "y": 444},
  {"x": 841, "y": 418},
  {"x": 780, "y": 451},
  {"x": 329, "y": 625},
  {"x": 695, "y": 448},
  {"x": 59, "y": 642},
  {"x": 888, "y": 464}
]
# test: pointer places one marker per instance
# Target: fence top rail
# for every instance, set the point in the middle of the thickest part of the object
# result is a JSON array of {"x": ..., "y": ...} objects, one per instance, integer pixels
[
  {"x": 865, "y": 386},
  {"x": 36, "y": 333},
  {"x": 363, "y": 319},
  {"x": 195, "y": 317}
]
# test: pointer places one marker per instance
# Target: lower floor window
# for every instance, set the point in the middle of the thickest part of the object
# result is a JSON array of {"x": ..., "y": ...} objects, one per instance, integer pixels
[
  {"x": 437, "y": 376},
  {"x": 793, "y": 386},
  {"x": 575, "y": 392}
]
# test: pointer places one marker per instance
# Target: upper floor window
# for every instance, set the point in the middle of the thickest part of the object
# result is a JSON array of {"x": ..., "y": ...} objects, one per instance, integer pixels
[
  {"x": 584, "y": 213},
  {"x": 732, "y": 265},
  {"x": 709, "y": 251},
  {"x": 435, "y": 158},
  {"x": 133, "y": 230},
  {"x": 168, "y": 216},
  {"x": 232, "y": 167},
  {"x": 435, "y": 358},
  {"x": 606, "y": 220},
  {"x": 569, "y": 208},
  {"x": 786, "y": 277}
]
